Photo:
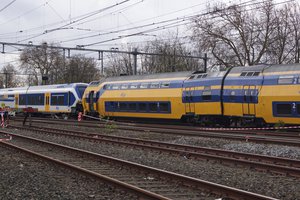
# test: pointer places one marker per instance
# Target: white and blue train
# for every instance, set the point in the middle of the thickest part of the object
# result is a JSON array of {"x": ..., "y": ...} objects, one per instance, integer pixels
[{"x": 47, "y": 99}]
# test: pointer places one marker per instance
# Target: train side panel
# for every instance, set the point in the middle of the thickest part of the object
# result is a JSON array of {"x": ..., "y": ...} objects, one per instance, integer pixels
[
  {"x": 160, "y": 102},
  {"x": 280, "y": 103},
  {"x": 61, "y": 98}
]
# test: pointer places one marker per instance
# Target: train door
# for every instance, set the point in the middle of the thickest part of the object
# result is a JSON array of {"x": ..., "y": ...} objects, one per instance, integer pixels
[
  {"x": 96, "y": 97},
  {"x": 91, "y": 101},
  {"x": 188, "y": 93},
  {"x": 249, "y": 99},
  {"x": 47, "y": 102},
  {"x": 16, "y": 101}
]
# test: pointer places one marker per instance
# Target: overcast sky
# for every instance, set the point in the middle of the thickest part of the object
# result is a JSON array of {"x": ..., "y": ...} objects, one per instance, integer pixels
[{"x": 97, "y": 24}]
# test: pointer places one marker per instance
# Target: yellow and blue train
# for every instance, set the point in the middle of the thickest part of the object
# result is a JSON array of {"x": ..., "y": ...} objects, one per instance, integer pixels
[{"x": 241, "y": 95}]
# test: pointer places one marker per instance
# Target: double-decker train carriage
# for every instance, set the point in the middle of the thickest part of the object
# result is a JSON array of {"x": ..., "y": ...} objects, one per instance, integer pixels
[
  {"x": 146, "y": 96},
  {"x": 241, "y": 95},
  {"x": 47, "y": 99}
]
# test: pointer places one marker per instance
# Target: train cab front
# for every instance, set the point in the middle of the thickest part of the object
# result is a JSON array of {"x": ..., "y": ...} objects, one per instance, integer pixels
[
  {"x": 91, "y": 96},
  {"x": 90, "y": 105}
]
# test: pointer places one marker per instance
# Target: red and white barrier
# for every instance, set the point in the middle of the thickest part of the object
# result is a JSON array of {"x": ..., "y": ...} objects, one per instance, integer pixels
[
  {"x": 6, "y": 139},
  {"x": 245, "y": 129},
  {"x": 205, "y": 128},
  {"x": 79, "y": 116}
]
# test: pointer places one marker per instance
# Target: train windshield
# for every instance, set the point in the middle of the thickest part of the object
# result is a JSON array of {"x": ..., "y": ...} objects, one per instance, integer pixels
[{"x": 80, "y": 90}]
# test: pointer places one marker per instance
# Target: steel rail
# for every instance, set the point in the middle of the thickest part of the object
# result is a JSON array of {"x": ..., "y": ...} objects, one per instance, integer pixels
[
  {"x": 290, "y": 167},
  {"x": 243, "y": 131},
  {"x": 198, "y": 133},
  {"x": 217, "y": 189}
]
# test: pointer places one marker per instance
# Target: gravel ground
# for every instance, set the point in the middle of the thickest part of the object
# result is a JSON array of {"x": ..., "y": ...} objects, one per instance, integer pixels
[
  {"x": 233, "y": 145},
  {"x": 263, "y": 183},
  {"x": 27, "y": 178}
]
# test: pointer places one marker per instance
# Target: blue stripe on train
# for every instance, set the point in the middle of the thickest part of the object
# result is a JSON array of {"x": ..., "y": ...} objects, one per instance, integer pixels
[
  {"x": 197, "y": 96},
  {"x": 161, "y": 107}
]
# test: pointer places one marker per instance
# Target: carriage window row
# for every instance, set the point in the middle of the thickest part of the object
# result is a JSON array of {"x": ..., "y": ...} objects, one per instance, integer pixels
[
  {"x": 253, "y": 73},
  {"x": 198, "y": 76},
  {"x": 160, "y": 107},
  {"x": 39, "y": 99},
  {"x": 137, "y": 86}
]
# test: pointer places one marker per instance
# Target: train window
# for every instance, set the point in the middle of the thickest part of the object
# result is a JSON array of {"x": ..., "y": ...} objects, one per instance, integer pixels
[
  {"x": 53, "y": 100},
  {"x": 298, "y": 109},
  {"x": 206, "y": 95},
  {"x": 123, "y": 106},
  {"x": 123, "y": 87},
  {"x": 60, "y": 100},
  {"x": 35, "y": 99},
  {"x": 165, "y": 84},
  {"x": 41, "y": 99},
  {"x": 132, "y": 106},
  {"x": 245, "y": 95},
  {"x": 144, "y": 85},
  {"x": 22, "y": 99},
  {"x": 133, "y": 86},
  {"x": 202, "y": 76},
  {"x": 256, "y": 73},
  {"x": 250, "y": 74},
  {"x": 154, "y": 85},
  {"x": 30, "y": 100},
  {"x": 104, "y": 87},
  {"x": 243, "y": 74},
  {"x": 95, "y": 83},
  {"x": 286, "y": 80},
  {"x": 164, "y": 107},
  {"x": 192, "y": 77},
  {"x": 142, "y": 107},
  {"x": 115, "y": 87},
  {"x": 232, "y": 96},
  {"x": 284, "y": 109},
  {"x": 153, "y": 107}
]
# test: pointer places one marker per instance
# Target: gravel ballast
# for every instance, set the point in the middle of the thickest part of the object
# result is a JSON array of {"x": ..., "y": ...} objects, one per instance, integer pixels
[
  {"x": 27, "y": 178},
  {"x": 259, "y": 182}
]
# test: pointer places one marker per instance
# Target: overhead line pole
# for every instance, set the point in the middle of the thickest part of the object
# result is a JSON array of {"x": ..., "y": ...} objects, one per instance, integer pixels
[{"x": 135, "y": 53}]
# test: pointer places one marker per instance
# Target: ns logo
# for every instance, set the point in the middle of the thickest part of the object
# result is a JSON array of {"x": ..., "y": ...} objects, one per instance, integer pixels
[{"x": 123, "y": 94}]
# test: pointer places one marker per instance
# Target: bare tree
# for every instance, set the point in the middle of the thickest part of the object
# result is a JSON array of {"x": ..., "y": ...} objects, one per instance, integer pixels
[
  {"x": 236, "y": 35},
  {"x": 80, "y": 69},
  {"x": 41, "y": 61},
  {"x": 119, "y": 64},
  {"x": 168, "y": 61},
  {"x": 8, "y": 78},
  {"x": 295, "y": 26}
]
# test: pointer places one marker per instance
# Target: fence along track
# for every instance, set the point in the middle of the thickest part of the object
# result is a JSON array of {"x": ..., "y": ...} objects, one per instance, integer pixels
[{"x": 167, "y": 184}]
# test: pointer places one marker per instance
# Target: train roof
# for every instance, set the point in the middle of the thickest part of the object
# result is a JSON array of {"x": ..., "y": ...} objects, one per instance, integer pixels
[
  {"x": 40, "y": 87},
  {"x": 266, "y": 68},
  {"x": 248, "y": 68},
  {"x": 150, "y": 76},
  {"x": 283, "y": 68},
  {"x": 144, "y": 77}
]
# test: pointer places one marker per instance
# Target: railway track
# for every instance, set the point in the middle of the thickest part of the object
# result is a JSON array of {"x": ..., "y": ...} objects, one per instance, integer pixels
[
  {"x": 147, "y": 182},
  {"x": 293, "y": 133},
  {"x": 249, "y": 136},
  {"x": 277, "y": 165}
]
